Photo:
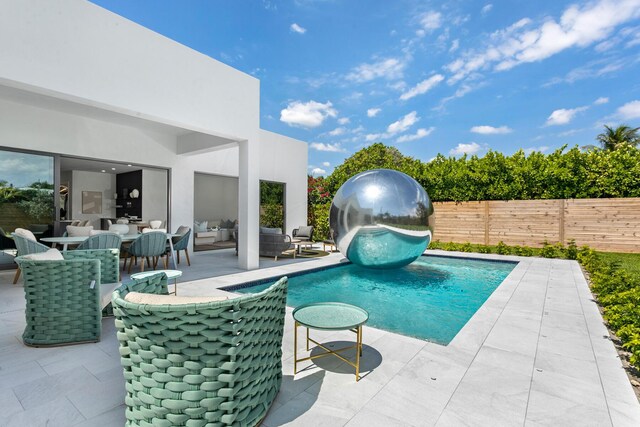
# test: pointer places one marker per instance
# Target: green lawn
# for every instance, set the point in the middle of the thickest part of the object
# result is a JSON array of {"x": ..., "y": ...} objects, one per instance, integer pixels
[{"x": 629, "y": 262}]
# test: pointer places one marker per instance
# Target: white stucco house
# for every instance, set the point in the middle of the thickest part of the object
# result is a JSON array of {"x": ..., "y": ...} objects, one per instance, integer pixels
[{"x": 80, "y": 81}]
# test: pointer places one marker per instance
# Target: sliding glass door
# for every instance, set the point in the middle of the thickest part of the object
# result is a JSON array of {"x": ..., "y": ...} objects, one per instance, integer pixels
[{"x": 27, "y": 197}]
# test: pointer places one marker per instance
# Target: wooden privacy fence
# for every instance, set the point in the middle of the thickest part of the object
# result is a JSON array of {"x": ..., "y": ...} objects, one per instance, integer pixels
[{"x": 603, "y": 224}]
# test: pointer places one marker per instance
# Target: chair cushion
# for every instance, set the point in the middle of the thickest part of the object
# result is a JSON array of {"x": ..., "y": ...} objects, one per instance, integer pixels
[
  {"x": 119, "y": 228},
  {"x": 155, "y": 299},
  {"x": 73, "y": 231},
  {"x": 149, "y": 230},
  {"x": 50, "y": 255},
  {"x": 267, "y": 230},
  {"x": 200, "y": 226},
  {"x": 106, "y": 289},
  {"x": 304, "y": 231},
  {"x": 27, "y": 234}
]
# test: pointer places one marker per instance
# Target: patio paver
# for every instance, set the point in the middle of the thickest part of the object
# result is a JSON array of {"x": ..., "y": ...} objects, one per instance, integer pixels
[{"x": 536, "y": 353}]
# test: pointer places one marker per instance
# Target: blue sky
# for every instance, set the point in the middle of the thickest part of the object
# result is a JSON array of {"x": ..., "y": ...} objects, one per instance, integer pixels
[{"x": 426, "y": 77}]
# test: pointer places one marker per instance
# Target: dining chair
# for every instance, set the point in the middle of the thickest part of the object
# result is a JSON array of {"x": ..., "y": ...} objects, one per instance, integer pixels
[
  {"x": 102, "y": 241},
  {"x": 181, "y": 243},
  {"x": 148, "y": 245}
]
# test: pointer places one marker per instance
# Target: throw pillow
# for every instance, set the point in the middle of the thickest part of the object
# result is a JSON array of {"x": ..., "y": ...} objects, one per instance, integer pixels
[
  {"x": 50, "y": 255},
  {"x": 27, "y": 234},
  {"x": 200, "y": 226},
  {"x": 304, "y": 231},
  {"x": 79, "y": 231}
]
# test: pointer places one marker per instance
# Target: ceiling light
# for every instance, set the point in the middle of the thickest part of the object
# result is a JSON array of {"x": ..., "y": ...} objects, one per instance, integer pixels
[
  {"x": 113, "y": 169},
  {"x": 129, "y": 165},
  {"x": 103, "y": 170}
]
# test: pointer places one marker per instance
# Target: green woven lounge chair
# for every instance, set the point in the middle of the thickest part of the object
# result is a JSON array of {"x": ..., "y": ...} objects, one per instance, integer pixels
[
  {"x": 64, "y": 299},
  {"x": 200, "y": 364},
  {"x": 25, "y": 247}
]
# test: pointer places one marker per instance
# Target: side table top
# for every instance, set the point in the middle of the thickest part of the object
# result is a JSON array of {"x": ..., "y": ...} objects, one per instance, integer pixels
[
  {"x": 330, "y": 316},
  {"x": 171, "y": 274}
]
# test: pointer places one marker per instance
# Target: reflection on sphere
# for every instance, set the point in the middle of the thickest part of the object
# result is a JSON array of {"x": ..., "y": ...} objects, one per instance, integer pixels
[{"x": 381, "y": 219}]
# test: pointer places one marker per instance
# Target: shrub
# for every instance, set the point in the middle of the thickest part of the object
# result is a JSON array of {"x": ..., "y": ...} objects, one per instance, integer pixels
[{"x": 502, "y": 249}]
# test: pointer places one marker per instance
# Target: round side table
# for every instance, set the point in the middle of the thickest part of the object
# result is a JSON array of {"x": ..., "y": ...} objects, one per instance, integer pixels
[
  {"x": 329, "y": 316},
  {"x": 171, "y": 275}
]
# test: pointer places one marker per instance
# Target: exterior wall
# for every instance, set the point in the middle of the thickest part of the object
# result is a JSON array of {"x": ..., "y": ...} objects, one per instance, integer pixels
[
  {"x": 81, "y": 52},
  {"x": 603, "y": 224},
  {"x": 285, "y": 160},
  {"x": 78, "y": 80}
]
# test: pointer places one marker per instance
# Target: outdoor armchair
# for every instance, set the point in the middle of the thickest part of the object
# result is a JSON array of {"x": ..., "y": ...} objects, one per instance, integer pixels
[
  {"x": 303, "y": 233},
  {"x": 65, "y": 297},
  {"x": 210, "y": 363},
  {"x": 273, "y": 243},
  {"x": 26, "y": 244}
]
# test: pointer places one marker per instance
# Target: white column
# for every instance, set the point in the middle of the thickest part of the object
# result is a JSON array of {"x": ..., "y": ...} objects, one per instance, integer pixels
[{"x": 248, "y": 204}]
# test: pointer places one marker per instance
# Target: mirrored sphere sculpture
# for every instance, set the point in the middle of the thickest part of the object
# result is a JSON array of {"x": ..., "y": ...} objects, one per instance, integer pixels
[{"x": 381, "y": 219}]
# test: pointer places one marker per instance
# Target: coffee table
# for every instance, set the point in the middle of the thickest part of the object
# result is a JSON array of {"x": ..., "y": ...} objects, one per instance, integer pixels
[
  {"x": 171, "y": 274},
  {"x": 329, "y": 316}
]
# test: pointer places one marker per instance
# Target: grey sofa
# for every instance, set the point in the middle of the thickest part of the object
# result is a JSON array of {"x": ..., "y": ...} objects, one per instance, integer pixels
[{"x": 272, "y": 242}]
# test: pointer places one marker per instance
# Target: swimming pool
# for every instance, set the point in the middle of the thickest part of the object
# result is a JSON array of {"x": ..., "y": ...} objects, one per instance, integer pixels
[{"x": 431, "y": 298}]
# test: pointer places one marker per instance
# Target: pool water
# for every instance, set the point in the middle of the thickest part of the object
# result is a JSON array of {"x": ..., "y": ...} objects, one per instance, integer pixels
[{"x": 431, "y": 298}]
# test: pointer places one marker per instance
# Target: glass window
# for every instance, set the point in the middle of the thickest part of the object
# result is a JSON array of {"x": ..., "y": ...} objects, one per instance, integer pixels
[
  {"x": 272, "y": 204},
  {"x": 26, "y": 197}
]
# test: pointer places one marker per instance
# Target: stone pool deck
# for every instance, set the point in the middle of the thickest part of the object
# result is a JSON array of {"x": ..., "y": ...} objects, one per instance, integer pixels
[{"x": 536, "y": 353}]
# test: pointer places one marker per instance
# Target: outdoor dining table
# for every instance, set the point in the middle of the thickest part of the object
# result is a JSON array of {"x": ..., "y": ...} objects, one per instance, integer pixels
[{"x": 66, "y": 241}]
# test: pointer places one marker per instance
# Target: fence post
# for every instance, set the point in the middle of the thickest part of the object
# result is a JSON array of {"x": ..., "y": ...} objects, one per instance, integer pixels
[
  {"x": 561, "y": 222},
  {"x": 486, "y": 222}
]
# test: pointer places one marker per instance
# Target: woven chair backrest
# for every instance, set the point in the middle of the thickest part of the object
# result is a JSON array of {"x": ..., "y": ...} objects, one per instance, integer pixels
[
  {"x": 27, "y": 246},
  {"x": 153, "y": 243},
  {"x": 102, "y": 241},
  {"x": 109, "y": 261},
  {"x": 212, "y": 363}
]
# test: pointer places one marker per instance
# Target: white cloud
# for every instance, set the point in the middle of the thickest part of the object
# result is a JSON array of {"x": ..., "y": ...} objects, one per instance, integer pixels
[
  {"x": 490, "y": 130},
  {"x": 343, "y": 120},
  {"x": 373, "y": 136},
  {"x": 403, "y": 123},
  {"x": 422, "y": 87},
  {"x": 338, "y": 131},
  {"x": 460, "y": 149},
  {"x": 421, "y": 133},
  {"x": 601, "y": 100},
  {"x": 390, "y": 68},
  {"x": 297, "y": 28},
  {"x": 431, "y": 20},
  {"x": 307, "y": 114},
  {"x": 521, "y": 43},
  {"x": 486, "y": 9},
  {"x": 372, "y": 112},
  {"x": 332, "y": 148},
  {"x": 454, "y": 45},
  {"x": 592, "y": 70},
  {"x": 326, "y": 164},
  {"x": 318, "y": 171},
  {"x": 630, "y": 110},
  {"x": 541, "y": 149},
  {"x": 563, "y": 116}
]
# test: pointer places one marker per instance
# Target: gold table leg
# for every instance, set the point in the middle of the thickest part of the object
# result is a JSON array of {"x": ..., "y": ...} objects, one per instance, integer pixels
[{"x": 357, "y": 346}]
